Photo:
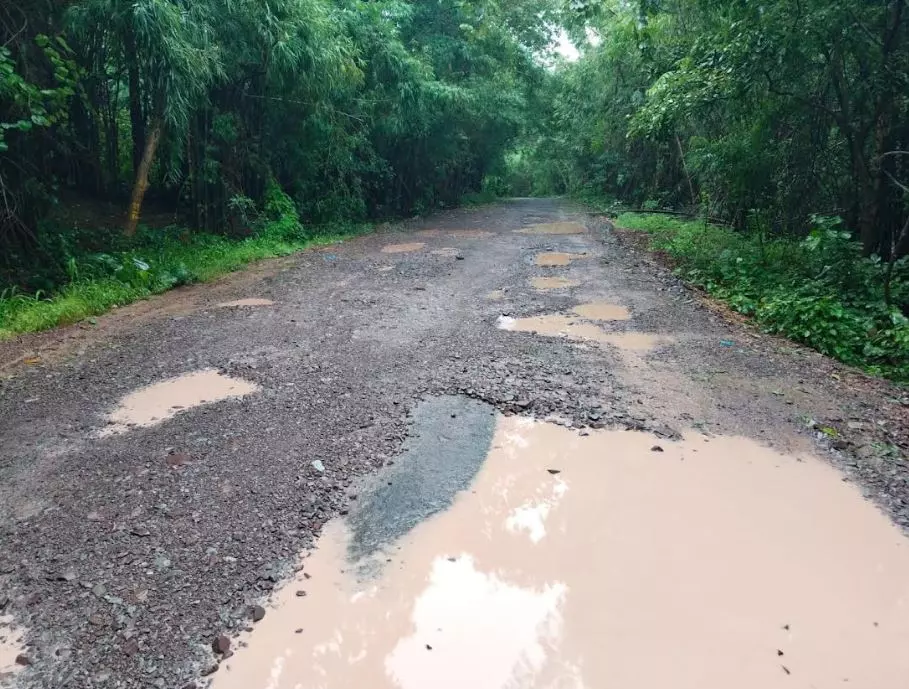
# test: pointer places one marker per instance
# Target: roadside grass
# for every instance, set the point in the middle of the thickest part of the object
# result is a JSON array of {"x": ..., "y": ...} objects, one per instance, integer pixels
[
  {"x": 818, "y": 290},
  {"x": 100, "y": 282}
]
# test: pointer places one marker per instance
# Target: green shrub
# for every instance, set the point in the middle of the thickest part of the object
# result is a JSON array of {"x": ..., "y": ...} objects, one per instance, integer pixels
[{"x": 819, "y": 290}]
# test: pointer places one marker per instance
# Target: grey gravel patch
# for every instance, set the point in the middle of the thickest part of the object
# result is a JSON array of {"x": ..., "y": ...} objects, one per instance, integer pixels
[{"x": 450, "y": 440}]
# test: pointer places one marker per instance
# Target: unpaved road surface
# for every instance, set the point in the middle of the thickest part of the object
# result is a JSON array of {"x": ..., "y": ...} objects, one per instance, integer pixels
[{"x": 496, "y": 448}]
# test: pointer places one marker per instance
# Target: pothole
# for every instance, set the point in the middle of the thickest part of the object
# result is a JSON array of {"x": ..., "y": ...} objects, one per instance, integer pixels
[
  {"x": 448, "y": 252},
  {"x": 245, "y": 302},
  {"x": 603, "y": 311},
  {"x": 402, "y": 248},
  {"x": 495, "y": 295},
  {"x": 156, "y": 403},
  {"x": 554, "y": 228},
  {"x": 552, "y": 259},
  {"x": 575, "y": 561},
  {"x": 571, "y": 328},
  {"x": 12, "y": 647},
  {"x": 548, "y": 283}
]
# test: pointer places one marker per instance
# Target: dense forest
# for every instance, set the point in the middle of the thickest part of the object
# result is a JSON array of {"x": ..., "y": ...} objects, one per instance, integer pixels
[
  {"x": 217, "y": 112},
  {"x": 148, "y": 143}
]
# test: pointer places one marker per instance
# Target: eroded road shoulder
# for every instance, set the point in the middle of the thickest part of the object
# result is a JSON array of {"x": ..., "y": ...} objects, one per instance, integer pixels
[{"x": 533, "y": 459}]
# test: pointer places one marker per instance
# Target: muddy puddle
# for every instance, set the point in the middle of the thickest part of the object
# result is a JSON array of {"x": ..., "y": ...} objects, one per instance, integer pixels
[
  {"x": 609, "y": 560},
  {"x": 553, "y": 228},
  {"x": 402, "y": 248},
  {"x": 602, "y": 311},
  {"x": 553, "y": 283},
  {"x": 574, "y": 328},
  {"x": 11, "y": 647},
  {"x": 245, "y": 302},
  {"x": 553, "y": 259},
  {"x": 156, "y": 403}
]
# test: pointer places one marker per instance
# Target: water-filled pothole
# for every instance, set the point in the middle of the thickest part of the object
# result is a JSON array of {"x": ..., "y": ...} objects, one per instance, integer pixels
[
  {"x": 245, "y": 302},
  {"x": 575, "y": 561},
  {"x": 11, "y": 647},
  {"x": 548, "y": 283},
  {"x": 553, "y": 259},
  {"x": 402, "y": 248},
  {"x": 447, "y": 251},
  {"x": 603, "y": 311},
  {"x": 156, "y": 403},
  {"x": 554, "y": 228}
]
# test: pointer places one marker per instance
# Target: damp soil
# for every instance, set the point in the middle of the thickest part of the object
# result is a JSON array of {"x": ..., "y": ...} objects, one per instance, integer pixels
[
  {"x": 550, "y": 569},
  {"x": 126, "y": 556}
]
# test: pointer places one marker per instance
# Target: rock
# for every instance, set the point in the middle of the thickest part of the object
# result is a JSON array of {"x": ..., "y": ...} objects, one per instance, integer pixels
[
  {"x": 99, "y": 590},
  {"x": 656, "y": 448},
  {"x": 257, "y": 612},
  {"x": 221, "y": 644},
  {"x": 93, "y": 517},
  {"x": 554, "y": 471},
  {"x": 140, "y": 531},
  {"x": 318, "y": 466},
  {"x": 301, "y": 594},
  {"x": 210, "y": 670},
  {"x": 131, "y": 647},
  {"x": 23, "y": 659}
]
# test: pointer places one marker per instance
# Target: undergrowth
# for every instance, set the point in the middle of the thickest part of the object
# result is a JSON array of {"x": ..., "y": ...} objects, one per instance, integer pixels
[
  {"x": 160, "y": 260},
  {"x": 818, "y": 290}
]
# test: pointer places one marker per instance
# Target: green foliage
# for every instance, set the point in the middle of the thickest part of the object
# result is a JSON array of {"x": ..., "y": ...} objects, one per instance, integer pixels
[
  {"x": 104, "y": 281},
  {"x": 819, "y": 290}
]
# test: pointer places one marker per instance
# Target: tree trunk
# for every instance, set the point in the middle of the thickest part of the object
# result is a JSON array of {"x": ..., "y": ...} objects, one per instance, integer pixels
[
  {"x": 141, "y": 185},
  {"x": 137, "y": 121}
]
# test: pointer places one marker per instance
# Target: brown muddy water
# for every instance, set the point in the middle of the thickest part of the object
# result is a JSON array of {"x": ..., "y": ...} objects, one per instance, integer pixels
[
  {"x": 553, "y": 259},
  {"x": 245, "y": 302},
  {"x": 11, "y": 646},
  {"x": 602, "y": 311},
  {"x": 553, "y": 228},
  {"x": 607, "y": 560},
  {"x": 402, "y": 248},
  {"x": 156, "y": 403},
  {"x": 573, "y": 328},
  {"x": 553, "y": 283}
]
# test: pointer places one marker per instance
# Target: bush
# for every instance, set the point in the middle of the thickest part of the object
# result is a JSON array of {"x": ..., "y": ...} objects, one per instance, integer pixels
[{"x": 818, "y": 290}]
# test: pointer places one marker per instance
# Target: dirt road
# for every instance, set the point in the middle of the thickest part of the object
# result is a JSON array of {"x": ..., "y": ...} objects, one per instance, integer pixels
[{"x": 538, "y": 459}]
